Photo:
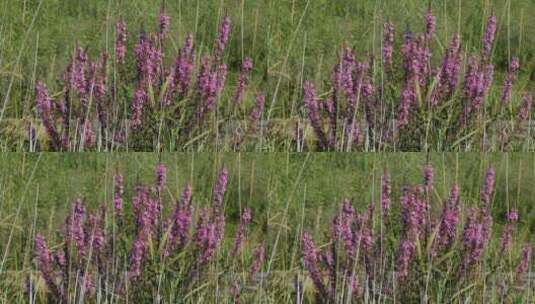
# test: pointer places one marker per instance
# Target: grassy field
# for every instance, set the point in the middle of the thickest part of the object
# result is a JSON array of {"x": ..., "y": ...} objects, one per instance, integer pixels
[
  {"x": 287, "y": 193},
  {"x": 289, "y": 42}
]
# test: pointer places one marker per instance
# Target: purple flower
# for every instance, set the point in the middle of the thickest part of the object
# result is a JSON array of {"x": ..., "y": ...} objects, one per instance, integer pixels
[
  {"x": 165, "y": 21},
  {"x": 180, "y": 222},
  {"x": 473, "y": 240},
  {"x": 161, "y": 177},
  {"x": 388, "y": 44},
  {"x": 408, "y": 97},
  {"x": 120, "y": 42},
  {"x": 45, "y": 107},
  {"x": 430, "y": 24},
  {"x": 74, "y": 228},
  {"x": 243, "y": 79},
  {"x": 509, "y": 78},
  {"x": 137, "y": 255},
  {"x": 223, "y": 37},
  {"x": 404, "y": 257},
  {"x": 219, "y": 190},
  {"x": 140, "y": 99},
  {"x": 245, "y": 219},
  {"x": 257, "y": 110},
  {"x": 449, "y": 73},
  {"x": 258, "y": 259},
  {"x": 507, "y": 233},
  {"x": 523, "y": 267},
  {"x": 310, "y": 257},
  {"x": 449, "y": 218},
  {"x": 184, "y": 65},
  {"x": 385, "y": 194},
  {"x": 45, "y": 259},
  {"x": 525, "y": 109},
  {"x": 488, "y": 38},
  {"x": 148, "y": 59},
  {"x": 206, "y": 237},
  {"x": 118, "y": 184},
  {"x": 488, "y": 188},
  {"x": 311, "y": 104},
  {"x": 428, "y": 177}
]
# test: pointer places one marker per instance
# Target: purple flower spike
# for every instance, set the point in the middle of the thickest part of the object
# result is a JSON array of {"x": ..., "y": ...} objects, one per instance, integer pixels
[
  {"x": 509, "y": 78},
  {"x": 165, "y": 21},
  {"x": 488, "y": 189},
  {"x": 161, "y": 177},
  {"x": 120, "y": 42},
  {"x": 258, "y": 259},
  {"x": 180, "y": 222},
  {"x": 45, "y": 107},
  {"x": 311, "y": 104},
  {"x": 257, "y": 110},
  {"x": 74, "y": 228},
  {"x": 243, "y": 79},
  {"x": 310, "y": 256},
  {"x": 220, "y": 189},
  {"x": 118, "y": 183},
  {"x": 507, "y": 234},
  {"x": 525, "y": 109},
  {"x": 523, "y": 267},
  {"x": 449, "y": 219},
  {"x": 488, "y": 38},
  {"x": 245, "y": 219},
  {"x": 223, "y": 37},
  {"x": 45, "y": 259},
  {"x": 385, "y": 194},
  {"x": 388, "y": 44},
  {"x": 428, "y": 177},
  {"x": 430, "y": 25}
]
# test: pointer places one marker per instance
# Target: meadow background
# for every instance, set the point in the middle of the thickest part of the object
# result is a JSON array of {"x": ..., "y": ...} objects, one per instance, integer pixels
[
  {"x": 288, "y": 40},
  {"x": 288, "y": 194}
]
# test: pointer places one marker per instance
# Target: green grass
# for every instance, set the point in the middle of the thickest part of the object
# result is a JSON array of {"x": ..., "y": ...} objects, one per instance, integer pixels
[
  {"x": 288, "y": 193},
  {"x": 289, "y": 41}
]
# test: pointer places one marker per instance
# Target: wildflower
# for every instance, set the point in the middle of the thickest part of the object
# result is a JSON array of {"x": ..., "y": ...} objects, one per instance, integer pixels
[
  {"x": 246, "y": 67},
  {"x": 449, "y": 218},
  {"x": 258, "y": 259},
  {"x": 507, "y": 234},
  {"x": 388, "y": 44},
  {"x": 223, "y": 37},
  {"x": 180, "y": 221},
  {"x": 165, "y": 21},
  {"x": 404, "y": 258},
  {"x": 430, "y": 24},
  {"x": 509, "y": 78},
  {"x": 220, "y": 189},
  {"x": 245, "y": 219},
  {"x": 161, "y": 177},
  {"x": 523, "y": 266},
  {"x": 140, "y": 99},
  {"x": 473, "y": 240},
  {"x": 258, "y": 109},
  {"x": 385, "y": 194},
  {"x": 488, "y": 38},
  {"x": 525, "y": 109},
  {"x": 428, "y": 177},
  {"x": 311, "y": 104},
  {"x": 120, "y": 42},
  {"x": 45, "y": 106},
  {"x": 118, "y": 184},
  {"x": 311, "y": 262},
  {"x": 206, "y": 238},
  {"x": 45, "y": 259},
  {"x": 74, "y": 228},
  {"x": 488, "y": 188}
]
